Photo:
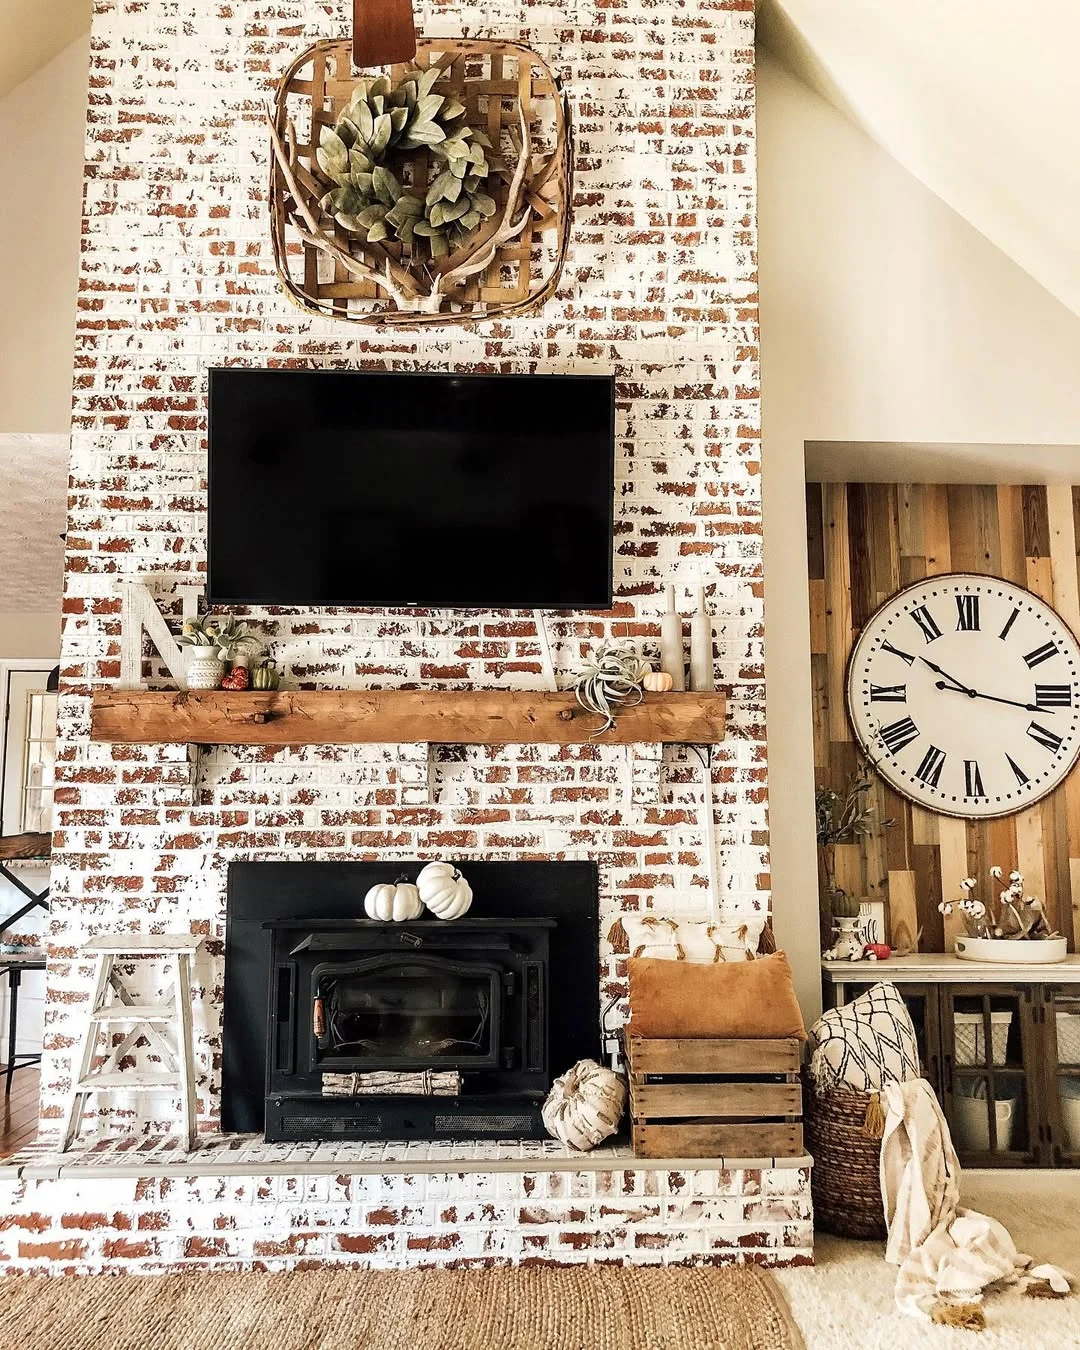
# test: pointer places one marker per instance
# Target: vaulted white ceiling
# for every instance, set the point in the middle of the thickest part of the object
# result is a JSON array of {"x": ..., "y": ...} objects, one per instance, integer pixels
[
  {"x": 978, "y": 99},
  {"x": 33, "y": 31}
]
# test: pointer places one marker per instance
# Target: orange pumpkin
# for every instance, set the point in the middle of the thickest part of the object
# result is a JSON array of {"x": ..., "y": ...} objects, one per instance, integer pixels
[{"x": 657, "y": 681}]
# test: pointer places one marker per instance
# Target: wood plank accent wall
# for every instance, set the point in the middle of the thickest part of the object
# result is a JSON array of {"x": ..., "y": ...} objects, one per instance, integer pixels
[{"x": 865, "y": 541}]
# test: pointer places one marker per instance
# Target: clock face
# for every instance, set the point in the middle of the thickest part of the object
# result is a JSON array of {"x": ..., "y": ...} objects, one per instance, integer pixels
[{"x": 964, "y": 693}]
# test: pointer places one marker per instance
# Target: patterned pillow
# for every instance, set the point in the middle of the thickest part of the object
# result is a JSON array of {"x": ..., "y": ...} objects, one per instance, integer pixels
[{"x": 867, "y": 1044}]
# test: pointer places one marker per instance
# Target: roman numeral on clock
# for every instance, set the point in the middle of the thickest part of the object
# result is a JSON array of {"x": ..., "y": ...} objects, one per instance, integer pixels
[
  {"x": 1045, "y": 738},
  {"x": 929, "y": 771},
  {"x": 898, "y": 734},
  {"x": 1008, "y": 624},
  {"x": 896, "y": 651},
  {"x": 973, "y": 783},
  {"x": 888, "y": 693},
  {"x": 967, "y": 613},
  {"x": 1021, "y": 776},
  {"x": 925, "y": 620},
  {"x": 1053, "y": 695},
  {"x": 1040, "y": 654}
]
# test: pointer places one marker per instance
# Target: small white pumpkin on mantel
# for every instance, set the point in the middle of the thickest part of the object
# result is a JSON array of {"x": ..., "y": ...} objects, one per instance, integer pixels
[
  {"x": 393, "y": 902},
  {"x": 444, "y": 890}
]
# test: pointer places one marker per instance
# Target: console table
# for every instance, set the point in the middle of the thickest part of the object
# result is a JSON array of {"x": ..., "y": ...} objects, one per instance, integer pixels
[{"x": 1000, "y": 1044}]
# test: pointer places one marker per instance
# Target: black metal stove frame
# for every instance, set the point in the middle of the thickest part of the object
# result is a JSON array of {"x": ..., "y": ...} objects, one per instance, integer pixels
[{"x": 333, "y": 892}]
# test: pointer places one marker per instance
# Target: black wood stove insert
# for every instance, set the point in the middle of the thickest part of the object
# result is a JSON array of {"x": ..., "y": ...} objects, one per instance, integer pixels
[
  {"x": 506, "y": 997},
  {"x": 469, "y": 996}
]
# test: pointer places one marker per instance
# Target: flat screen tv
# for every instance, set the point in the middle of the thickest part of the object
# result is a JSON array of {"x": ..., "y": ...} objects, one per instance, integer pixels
[{"x": 386, "y": 489}]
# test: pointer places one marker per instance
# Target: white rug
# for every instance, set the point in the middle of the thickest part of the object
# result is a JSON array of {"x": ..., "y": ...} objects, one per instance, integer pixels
[{"x": 845, "y": 1302}]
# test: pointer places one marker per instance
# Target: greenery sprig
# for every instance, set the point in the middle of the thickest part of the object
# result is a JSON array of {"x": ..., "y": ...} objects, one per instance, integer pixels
[{"x": 845, "y": 818}]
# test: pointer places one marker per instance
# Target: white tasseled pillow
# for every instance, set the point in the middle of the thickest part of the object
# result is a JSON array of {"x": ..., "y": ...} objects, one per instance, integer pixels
[{"x": 733, "y": 938}]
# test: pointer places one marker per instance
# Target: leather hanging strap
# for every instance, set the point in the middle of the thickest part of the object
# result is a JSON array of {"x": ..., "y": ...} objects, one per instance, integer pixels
[{"x": 383, "y": 32}]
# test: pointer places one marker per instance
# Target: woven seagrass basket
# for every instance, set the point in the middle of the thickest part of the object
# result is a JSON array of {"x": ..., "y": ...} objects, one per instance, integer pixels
[{"x": 845, "y": 1180}]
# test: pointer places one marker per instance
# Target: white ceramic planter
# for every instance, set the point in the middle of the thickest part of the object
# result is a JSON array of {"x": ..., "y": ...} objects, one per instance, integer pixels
[
  {"x": 204, "y": 671},
  {"x": 1010, "y": 952}
]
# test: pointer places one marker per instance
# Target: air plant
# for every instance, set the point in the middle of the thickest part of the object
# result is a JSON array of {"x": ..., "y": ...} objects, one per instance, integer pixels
[
  {"x": 1018, "y": 917},
  {"x": 610, "y": 677}
]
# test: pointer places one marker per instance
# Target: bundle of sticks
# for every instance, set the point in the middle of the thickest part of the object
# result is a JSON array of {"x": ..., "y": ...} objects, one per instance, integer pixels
[{"x": 423, "y": 1083}]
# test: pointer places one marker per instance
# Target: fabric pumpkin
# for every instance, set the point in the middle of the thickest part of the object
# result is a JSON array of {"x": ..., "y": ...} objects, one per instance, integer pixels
[
  {"x": 398, "y": 902},
  {"x": 732, "y": 938},
  {"x": 866, "y": 1045},
  {"x": 585, "y": 1105},
  {"x": 657, "y": 681},
  {"x": 444, "y": 890}
]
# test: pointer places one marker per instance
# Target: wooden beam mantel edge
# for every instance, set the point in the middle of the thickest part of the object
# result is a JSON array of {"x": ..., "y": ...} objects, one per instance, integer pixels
[
  {"x": 14, "y": 847},
  {"x": 395, "y": 716}
]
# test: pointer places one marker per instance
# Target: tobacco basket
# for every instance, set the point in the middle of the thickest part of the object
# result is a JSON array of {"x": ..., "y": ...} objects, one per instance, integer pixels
[{"x": 504, "y": 86}]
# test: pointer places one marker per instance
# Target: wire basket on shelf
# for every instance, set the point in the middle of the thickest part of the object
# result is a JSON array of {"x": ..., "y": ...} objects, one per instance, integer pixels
[
  {"x": 1068, "y": 1037},
  {"x": 969, "y": 1033}
]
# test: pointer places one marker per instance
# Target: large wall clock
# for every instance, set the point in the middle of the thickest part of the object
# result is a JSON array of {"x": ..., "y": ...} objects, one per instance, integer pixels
[{"x": 964, "y": 693}]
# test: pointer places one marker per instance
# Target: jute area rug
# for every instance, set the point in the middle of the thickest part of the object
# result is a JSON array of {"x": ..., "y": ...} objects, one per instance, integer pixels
[{"x": 549, "y": 1308}]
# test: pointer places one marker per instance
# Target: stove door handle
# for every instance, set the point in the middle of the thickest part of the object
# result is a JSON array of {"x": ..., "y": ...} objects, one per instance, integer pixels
[{"x": 284, "y": 1008}]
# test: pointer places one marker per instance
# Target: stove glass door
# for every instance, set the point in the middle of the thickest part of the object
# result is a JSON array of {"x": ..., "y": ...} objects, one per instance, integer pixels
[{"x": 419, "y": 1011}]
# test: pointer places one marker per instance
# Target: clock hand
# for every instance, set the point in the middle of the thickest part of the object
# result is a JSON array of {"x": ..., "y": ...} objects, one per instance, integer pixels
[
  {"x": 953, "y": 681},
  {"x": 974, "y": 693},
  {"x": 958, "y": 688}
]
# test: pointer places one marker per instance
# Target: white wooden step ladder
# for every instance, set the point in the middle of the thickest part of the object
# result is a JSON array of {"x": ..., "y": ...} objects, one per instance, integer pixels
[{"x": 149, "y": 1020}]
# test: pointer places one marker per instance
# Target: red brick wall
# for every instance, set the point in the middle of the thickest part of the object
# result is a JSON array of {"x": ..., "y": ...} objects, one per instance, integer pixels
[{"x": 659, "y": 287}]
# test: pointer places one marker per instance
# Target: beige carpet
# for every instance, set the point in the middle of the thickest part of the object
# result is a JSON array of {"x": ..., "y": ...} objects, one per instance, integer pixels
[
  {"x": 845, "y": 1302},
  {"x": 575, "y": 1308}
]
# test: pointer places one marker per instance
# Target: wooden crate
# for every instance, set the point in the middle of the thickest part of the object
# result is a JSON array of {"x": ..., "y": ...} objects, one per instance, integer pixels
[{"x": 714, "y": 1098}]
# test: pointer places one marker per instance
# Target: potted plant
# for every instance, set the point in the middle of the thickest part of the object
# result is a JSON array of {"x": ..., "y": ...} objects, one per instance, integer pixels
[
  {"x": 842, "y": 818},
  {"x": 213, "y": 643},
  {"x": 1015, "y": 931}
]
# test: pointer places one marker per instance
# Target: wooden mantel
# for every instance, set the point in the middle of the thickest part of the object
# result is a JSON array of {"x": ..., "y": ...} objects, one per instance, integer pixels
[
  {"x": 355, "y": 716},
  {"x": 24, "y": 847}
]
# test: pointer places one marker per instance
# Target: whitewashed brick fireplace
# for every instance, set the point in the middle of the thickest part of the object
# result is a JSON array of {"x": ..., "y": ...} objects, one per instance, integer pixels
[{"x": 660, "y": 287}]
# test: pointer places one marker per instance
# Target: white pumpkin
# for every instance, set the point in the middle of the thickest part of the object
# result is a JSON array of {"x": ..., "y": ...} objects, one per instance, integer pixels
[
  {"x": 444, "y": 890},
  {"x": 393, "y": 903}
]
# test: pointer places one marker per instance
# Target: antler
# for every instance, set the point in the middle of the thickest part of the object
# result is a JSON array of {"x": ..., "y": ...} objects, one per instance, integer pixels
[
  {"x": 485, "y": 248},
  {"x": 395, "y": 282}
]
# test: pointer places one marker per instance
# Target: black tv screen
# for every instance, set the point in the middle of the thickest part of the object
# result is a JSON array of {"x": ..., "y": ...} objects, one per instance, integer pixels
[{"x": 388, "y": 489}]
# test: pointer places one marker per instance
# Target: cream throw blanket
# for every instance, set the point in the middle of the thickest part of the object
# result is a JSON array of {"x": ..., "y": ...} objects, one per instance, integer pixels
[{"x": 944, "y": 1253}]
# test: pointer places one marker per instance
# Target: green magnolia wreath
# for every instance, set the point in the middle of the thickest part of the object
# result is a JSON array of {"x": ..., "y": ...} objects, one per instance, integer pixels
[{"x": 384, "y": 124}]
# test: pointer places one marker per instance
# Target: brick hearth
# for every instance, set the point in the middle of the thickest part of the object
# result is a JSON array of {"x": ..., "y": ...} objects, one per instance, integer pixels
[{"x": 144, "y": 1205}]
